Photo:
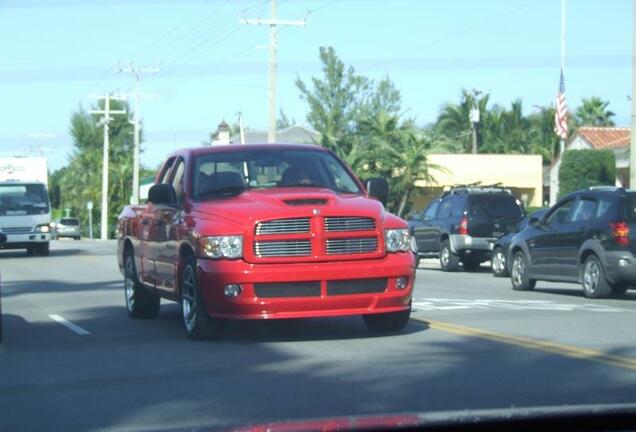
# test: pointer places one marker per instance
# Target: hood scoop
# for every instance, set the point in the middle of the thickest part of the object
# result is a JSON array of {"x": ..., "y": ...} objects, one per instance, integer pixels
[{"x": 305, "y": 201}]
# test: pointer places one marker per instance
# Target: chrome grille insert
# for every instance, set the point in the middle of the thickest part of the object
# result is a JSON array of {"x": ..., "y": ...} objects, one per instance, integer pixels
[
  {"x": 348, "y": 224},
  {"x": 351, "y": 246},
  {"x": 17, "y": 230},
  {"x": 283, "y": 226},
  {"x": 284, "y": 248}
]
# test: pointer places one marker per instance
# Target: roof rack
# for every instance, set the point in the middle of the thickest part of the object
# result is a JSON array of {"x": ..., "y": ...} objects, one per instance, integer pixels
[
  {"x": 607, "y": 188},
  {"x": 476, "y": 187}
]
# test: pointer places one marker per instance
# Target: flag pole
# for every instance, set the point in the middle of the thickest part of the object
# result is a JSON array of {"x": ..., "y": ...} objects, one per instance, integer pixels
[{"x": 562, "y": 141}]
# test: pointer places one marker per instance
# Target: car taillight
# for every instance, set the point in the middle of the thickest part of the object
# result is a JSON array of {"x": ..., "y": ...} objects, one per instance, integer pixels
[
  {"x": 463, "y": 226},
  {"x": 620, "y": 232}
]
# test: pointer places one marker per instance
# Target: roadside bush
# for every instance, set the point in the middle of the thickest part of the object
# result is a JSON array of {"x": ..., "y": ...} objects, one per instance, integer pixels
[{"x": 581, "y": 169}]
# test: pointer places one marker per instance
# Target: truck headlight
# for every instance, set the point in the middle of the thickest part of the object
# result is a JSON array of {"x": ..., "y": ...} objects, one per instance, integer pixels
[
  {"x": 217, "y": 247},
  {"x": 397, "y": 240},
  {"x": 43, "y": 228}
]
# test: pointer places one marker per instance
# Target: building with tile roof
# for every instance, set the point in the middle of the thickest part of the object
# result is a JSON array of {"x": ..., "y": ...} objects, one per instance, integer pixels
[{"x": 597, "y": 138}]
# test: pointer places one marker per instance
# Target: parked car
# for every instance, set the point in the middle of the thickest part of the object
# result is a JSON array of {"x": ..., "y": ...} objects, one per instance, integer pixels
[
  {"x": 265, "y": 232},
  {"x": 463, "y": 224},
  {"x": 68, "y": 227},
  {"x": 502, "y": 245},
  {"x": 588, "y": 237}
]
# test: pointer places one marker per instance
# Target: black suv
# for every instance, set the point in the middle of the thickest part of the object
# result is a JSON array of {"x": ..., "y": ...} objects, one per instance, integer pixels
[
  {"x": 588, "y": 237},
  {"x": 463, "y": 224}
]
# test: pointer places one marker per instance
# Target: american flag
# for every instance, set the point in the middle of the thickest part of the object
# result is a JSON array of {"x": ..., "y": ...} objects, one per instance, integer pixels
[{"x": 561, "y": 114}]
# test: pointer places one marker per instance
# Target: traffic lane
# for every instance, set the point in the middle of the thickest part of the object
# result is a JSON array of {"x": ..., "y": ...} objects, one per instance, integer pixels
[
  {"x": 145, "y": 375},
  {"x": 553, "y": 312},
  {"x": 268, "y": 371}
]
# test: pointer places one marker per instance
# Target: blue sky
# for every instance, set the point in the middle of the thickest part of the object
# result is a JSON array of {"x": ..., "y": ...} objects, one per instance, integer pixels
[{"x": 53, "y": 54}]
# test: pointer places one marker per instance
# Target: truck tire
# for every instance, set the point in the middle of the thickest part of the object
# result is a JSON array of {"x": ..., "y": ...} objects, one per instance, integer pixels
[
  {"x": 140, "y": 303},
  {"x": 448, "y": 261},
  {"x": 595, "y": 284},
  {"x": 387, "y": 322},
  {"x": 197, "y": 323},
  {"x": 519, "y": 275}
]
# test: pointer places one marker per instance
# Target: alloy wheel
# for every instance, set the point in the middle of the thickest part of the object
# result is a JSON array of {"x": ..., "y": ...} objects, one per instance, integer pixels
[
  {"x": 129, "y": 283},
  {"x": 188, "y": 298},
  {"x": 591, "y": 276},
  {"x": 518, "y": 270}
]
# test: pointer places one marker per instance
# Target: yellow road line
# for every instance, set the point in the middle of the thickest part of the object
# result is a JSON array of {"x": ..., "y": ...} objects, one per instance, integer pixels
[{"x": 539, "y": 345}]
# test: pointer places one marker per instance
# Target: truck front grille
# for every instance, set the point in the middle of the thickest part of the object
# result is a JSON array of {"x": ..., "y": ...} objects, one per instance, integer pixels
[
  {"x": 17, "y": 230},
  {"x": 282, "y": 248},
  {"x": 356, "y": 286},
  {"x": 351, "y": 246},
  {"x": 343, "y": 224},
  {"x": 287, "y": 289},
  {"x": 283, "y": 226}
]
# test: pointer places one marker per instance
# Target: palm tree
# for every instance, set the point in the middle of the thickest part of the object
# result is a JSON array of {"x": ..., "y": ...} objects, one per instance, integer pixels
[
  {"x": 409, "y": 159},
  {"x": 593, "y": 112},
  {"x": 454, "y": 119}
]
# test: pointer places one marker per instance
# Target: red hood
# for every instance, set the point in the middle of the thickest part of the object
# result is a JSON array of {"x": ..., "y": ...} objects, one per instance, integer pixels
[{"x": 263, "y": 204}]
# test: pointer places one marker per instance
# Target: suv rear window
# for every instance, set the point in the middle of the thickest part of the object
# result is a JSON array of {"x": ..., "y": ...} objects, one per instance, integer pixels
[{"x": 496, "y": 206}]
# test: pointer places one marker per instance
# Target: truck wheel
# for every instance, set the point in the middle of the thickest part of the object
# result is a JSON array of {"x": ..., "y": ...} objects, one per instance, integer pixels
[
  {"x": 140, "y": 302},
  {"x": 595, "y": 285},
  {"x": 498, "y": 263},
  {"x": 519, "y": 276},
  {"x": 387, "y": 322},
  {"x": 197, "y": 323},
  {"x": 448, "y": 261}
]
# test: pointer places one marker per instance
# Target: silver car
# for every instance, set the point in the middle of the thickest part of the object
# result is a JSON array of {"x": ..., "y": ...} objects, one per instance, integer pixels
[{"x": 67, "y": 227}]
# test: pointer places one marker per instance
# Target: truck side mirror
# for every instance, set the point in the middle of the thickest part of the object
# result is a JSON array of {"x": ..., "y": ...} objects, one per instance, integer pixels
[
  {"x": 162, "y": 194},
  {"x": 378, "y": 188},
  {"x": 534, "y": 221}
]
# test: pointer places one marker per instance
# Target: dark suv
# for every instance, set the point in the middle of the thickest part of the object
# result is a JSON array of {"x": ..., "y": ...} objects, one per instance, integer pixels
[
  {"x": 588, "y": 237},
  {"x": 463, "y": 224}
]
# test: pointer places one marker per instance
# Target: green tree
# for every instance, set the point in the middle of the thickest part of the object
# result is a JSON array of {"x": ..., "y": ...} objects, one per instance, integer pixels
[
  {"x": 341, "y": 99},
  {"x": 283, "y": 122},
  {"x": 453, "y": 120},
  {"x": 581, "y": 169},
  {"x": 80, "y": 181},
  {"x": 593, "y": 112}
]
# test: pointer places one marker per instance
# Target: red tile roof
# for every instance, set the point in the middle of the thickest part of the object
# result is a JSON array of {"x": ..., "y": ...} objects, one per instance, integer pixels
[{"x": 605, "y": 137}]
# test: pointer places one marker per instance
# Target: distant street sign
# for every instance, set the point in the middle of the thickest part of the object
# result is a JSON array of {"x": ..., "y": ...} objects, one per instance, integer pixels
[{"x": 89, "y": 205}]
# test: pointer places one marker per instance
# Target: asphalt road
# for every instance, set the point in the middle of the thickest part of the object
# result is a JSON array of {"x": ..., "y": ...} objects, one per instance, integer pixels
[{"x": 72, "y": 360}]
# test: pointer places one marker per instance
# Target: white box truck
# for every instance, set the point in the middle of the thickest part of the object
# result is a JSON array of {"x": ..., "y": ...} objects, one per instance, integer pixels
[{"x": 25, "y": 210}]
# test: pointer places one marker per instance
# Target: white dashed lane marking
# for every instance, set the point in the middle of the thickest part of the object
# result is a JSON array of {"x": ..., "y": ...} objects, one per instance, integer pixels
[{"x": 444, "y": 304}]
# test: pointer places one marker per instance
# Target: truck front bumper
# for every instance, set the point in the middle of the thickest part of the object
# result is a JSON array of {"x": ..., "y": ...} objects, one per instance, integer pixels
[
  {"x": 22, "y": 241},
  {"x": 270, "y": 291}
]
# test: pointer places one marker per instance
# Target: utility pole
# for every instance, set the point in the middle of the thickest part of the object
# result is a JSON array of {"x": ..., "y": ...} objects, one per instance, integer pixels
[
  {"x": 106, "y": 112},
  {"x": 273, "y": 24},
  {"x": 632, "y": 144},
  {"x": 137, "y": 71},
  {"x": 241, "y": 131}
]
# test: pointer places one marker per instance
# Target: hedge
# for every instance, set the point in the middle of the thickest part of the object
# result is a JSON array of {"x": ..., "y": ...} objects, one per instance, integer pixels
[{"x": 581, "y": 169}]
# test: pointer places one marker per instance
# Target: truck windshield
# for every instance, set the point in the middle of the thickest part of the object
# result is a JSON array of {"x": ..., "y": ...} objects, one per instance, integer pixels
[
  {"x": 231, "y": 172},
  {"x": 23, "y": 199}
]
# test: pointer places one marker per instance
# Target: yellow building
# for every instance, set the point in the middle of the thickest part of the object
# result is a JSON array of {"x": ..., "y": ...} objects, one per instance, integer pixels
[{"x": 522, "y": 174}]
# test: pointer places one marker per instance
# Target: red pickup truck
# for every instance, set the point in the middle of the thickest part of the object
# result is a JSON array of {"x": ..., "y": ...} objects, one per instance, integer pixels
[{"x": 263, "y": 232}]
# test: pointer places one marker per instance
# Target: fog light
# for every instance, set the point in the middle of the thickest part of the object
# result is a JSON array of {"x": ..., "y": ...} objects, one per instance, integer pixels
[
  {"x": 401, "y": 282},
  {"x": 623, "y": 262},
  {"x": 232, "y": 290}
]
